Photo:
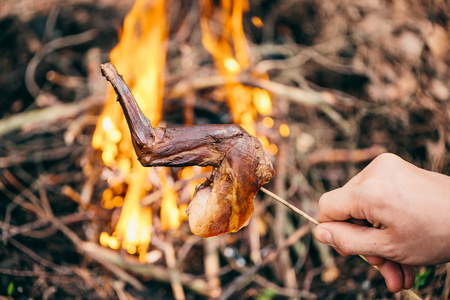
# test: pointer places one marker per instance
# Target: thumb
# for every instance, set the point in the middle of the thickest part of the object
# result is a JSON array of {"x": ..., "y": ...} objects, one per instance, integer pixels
[{"x": 348, "y": 238}]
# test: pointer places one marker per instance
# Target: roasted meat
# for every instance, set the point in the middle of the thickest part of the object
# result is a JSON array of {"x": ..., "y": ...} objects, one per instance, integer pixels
[{"x": 224, "y": 202}]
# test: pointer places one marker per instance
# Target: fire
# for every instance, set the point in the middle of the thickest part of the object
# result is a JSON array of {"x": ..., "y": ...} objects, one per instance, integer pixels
[
  {"x": 140, "y": 57},
  {"x": 230, "y": 51},
  {"x": 284, "y": 130},
  {"x": 257, "y": 22},
  {"x": 170, "y": 215}
]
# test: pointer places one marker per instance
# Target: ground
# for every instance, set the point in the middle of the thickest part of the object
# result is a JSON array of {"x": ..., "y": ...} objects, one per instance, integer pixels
[{"x": 379, "y": 69}]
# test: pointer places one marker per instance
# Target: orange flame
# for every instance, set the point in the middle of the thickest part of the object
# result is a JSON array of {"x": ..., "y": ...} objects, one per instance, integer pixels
[
  {"x": 140, "y": 57},
  {"x": 170, "y": 215},
  {"x": 230, "y": 51}
]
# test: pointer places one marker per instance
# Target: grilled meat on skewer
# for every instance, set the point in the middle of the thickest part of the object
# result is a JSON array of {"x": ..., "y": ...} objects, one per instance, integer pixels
[{"x": 224, "y": 202}]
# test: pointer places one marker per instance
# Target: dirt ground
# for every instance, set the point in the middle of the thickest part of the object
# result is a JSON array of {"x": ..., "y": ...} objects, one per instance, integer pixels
[{"x": 377, "y": 74}]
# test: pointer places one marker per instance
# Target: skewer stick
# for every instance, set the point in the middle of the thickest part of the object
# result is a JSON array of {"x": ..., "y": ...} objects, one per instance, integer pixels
[
  {"x": 315, "y": 222},
  {"x": 294, "y": 208}
]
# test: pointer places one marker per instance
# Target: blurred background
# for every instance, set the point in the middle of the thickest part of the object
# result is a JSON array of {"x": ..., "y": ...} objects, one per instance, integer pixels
[{"x": 326, "y": 86}]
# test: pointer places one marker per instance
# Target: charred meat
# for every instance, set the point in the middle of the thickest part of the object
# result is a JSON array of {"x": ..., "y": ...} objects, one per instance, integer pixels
[{"x": 224, "y": 202}]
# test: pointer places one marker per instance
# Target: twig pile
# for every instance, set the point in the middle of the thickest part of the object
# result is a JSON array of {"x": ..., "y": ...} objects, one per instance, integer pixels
[{"x": 351, "y": 79}]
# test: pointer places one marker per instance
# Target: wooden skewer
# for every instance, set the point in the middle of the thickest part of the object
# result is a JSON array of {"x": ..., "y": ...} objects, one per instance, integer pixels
[
  {"x": 294, "y": 208},
  {"x": 315, "y": 222}
]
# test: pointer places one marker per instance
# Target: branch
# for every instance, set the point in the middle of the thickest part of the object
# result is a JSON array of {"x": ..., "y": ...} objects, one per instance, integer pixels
[
  {"x": 59, "y": 43},
  {"x": 47, "y": 114},
  {"x": 308, "y": 98}
]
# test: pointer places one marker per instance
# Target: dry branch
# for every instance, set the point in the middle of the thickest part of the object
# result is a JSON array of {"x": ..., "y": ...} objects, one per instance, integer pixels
[
  {"x": 309, "y": 98},
  {"x": 283, "y": 267},
  {"x": 28, "y": 228},
  {"x": 39, "y": 259},
  {"x": 47, "y": 114},
  {"x": 345, "y": 156},
  {"x": 59, "y": 43},
  {"x": 244, "y": 279},
  {"x": 158, "y": 273}
]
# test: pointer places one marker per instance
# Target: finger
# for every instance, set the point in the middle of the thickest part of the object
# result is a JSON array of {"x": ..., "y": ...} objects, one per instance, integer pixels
[
  {"x": 350, "y": 238},
  {"x": 360, "y": 222},
  {"x": 331, "y": 206},
  {"x": 361, "y": 195},
  {"x": 374, "y": 260},
  {"x": 341, "y": 204},
  {"x": 408, "y": 271},
  {"x": 409, "y": 276},
  {"x": 393, "y": 275}
]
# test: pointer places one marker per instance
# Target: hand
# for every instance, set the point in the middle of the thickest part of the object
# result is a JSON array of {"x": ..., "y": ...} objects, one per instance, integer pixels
[{"x": 407, "y": 209}]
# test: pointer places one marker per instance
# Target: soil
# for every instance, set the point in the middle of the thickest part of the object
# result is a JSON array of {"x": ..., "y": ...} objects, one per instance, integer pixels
[{"x": 382, "y": 67}]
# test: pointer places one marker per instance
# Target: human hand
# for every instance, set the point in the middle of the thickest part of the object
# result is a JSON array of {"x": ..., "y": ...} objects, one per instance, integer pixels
[{"x": 407, "y": 210}]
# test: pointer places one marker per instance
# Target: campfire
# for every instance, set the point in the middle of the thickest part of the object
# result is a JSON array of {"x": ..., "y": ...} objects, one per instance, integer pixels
[
  {"x": 144, "y": 28},
  {"x": 230, "y": 96}
]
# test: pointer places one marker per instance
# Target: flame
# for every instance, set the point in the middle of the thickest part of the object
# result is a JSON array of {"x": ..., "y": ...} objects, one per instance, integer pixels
[
  {"x": 186, "y": 173},
  {"x": 140, "y": 57},
  {"x": 257, "y": 22},
  {"x": 170, "y": 215},
  {"x": 268, "y": 122},
  {"x": 284, "y": 129},
  {"x": 230, "y": 51},
  {"x": 134, "y": 224}
]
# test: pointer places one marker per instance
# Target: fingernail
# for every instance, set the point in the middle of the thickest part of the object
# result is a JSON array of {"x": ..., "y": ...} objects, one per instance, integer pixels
[{"x": 324, "y": 236}]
